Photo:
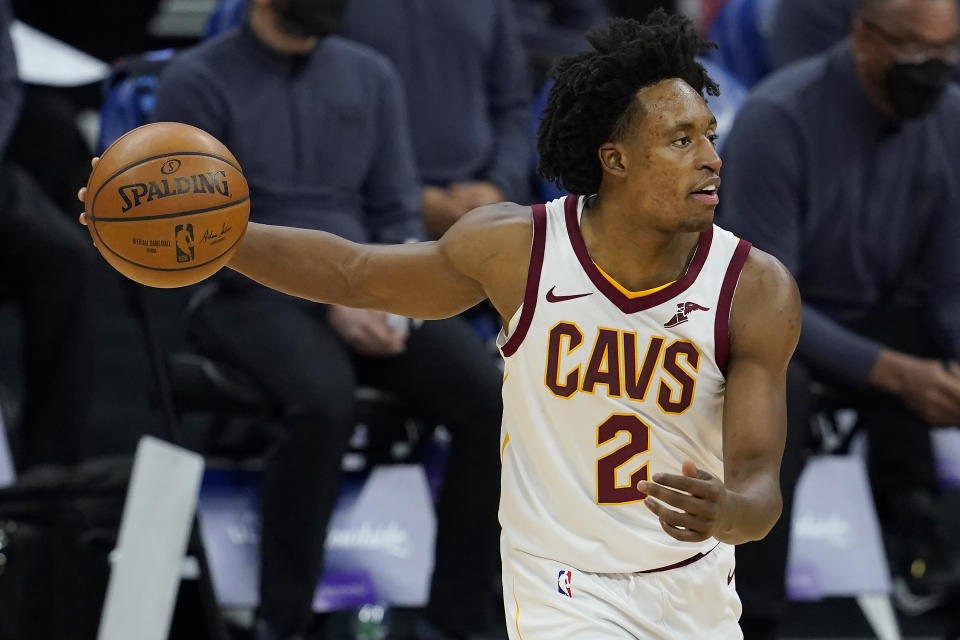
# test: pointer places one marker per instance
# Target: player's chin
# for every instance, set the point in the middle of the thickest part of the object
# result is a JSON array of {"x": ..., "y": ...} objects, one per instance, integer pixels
[{"x": 698, "y": 219}]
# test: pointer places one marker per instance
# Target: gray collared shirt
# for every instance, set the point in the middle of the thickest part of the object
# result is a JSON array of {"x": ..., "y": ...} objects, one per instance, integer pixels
[{"x": 863, "y": 211}]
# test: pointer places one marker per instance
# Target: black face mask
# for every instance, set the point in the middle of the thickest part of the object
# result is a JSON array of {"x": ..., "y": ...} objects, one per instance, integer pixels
[
  {"x": 304, "y": 18},
  {"x": 915, "y": 88}
]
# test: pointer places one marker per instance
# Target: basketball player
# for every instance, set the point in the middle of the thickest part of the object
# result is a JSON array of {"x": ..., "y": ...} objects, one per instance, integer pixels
[{"x": 645, "y": 348}]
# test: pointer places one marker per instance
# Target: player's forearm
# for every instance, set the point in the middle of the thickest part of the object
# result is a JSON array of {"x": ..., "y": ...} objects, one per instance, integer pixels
[
  {"x": 308, "y": 264},
  {"x": 752, "y": 510}
]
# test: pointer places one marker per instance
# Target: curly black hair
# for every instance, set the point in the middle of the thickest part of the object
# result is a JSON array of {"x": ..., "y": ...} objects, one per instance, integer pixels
[{"x": 592, "y": 100}]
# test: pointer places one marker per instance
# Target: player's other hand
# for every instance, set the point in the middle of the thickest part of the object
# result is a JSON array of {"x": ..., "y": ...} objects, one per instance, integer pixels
[
  {"x": 367, "y": 331},
  {"x": 698, "y": 500},
  {"x": 82, "y": 193}
]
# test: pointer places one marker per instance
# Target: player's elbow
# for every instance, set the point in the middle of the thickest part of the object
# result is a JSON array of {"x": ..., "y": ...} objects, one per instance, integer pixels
[
  {"x": 768, "y": 516},
  {"x": 772, "y": 513}
]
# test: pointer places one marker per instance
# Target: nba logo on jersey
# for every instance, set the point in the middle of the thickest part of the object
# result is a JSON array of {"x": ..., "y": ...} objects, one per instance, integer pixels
[{"x": 563, "y": 583}]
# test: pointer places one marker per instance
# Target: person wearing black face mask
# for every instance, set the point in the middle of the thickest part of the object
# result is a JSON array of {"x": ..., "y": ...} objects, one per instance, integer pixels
[
  {"x": 916, "y": 73},
  {"x": 844, "y": 166}
]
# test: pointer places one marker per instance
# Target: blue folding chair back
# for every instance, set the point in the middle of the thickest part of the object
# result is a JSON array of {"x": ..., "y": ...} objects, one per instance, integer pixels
[{"x": 741, "y": 30}]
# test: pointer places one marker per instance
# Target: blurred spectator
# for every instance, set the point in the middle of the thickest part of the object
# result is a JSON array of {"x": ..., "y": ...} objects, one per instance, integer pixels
[
  {"x": 47, "y": 144},
  {"x": 802, "y": 28},
  {"x": 46, "y": 269},
  {"x": 319, "y": 125},
  {"x": 842, "y": 166},
  {"x": 550, "y": 28},
  {"x": 468, "y": 93}
]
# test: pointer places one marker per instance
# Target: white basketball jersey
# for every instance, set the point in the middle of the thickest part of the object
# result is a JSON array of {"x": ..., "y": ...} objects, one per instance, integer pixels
[{"x": 603, "y": 389}]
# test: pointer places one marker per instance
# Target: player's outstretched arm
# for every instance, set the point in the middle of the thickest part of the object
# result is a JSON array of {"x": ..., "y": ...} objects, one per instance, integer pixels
[
  {"x": 484, "y": 255},
  {"x": 764, "y": 328},
  {"x": 479, "y": 257}
]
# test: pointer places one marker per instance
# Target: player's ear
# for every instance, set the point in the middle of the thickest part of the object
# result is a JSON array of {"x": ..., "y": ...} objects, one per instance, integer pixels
[{"x": 611, "y": 158}]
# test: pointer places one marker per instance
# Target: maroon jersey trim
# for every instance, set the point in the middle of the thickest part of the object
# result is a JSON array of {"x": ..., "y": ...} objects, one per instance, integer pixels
[
  {"x": 624, "y": 303},
  {"x": 682, "y": 563},
  {"x": 532, "y": 290},
  {"x": 721, "y": 327}
]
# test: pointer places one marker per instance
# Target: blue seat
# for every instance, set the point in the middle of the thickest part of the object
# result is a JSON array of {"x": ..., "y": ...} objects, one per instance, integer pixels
[
  {"x": 129, "y": 93},
  {"x": 741, "y": 29},
  {"x": 226, "y": 15}
]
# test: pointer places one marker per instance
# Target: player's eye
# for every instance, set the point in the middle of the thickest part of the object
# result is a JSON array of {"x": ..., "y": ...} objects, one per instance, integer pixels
[
  {"x": 712, "y": 137},
  {"x": 682, "y": 142}
]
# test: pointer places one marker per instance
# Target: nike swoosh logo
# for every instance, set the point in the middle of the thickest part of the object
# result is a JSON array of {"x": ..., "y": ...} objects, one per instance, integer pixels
[{"x": 551, "y": 297}]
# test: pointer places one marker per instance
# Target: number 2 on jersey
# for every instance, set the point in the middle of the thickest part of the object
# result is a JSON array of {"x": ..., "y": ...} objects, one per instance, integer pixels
[{"x": 608, "y": 491}]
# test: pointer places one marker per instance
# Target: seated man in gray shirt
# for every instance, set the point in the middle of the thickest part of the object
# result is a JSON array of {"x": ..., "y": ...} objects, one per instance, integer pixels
[
  {"x": 319, "y": 125},
  {"x": 464, "y": 71},
  {"x": 844, "y": 166}
]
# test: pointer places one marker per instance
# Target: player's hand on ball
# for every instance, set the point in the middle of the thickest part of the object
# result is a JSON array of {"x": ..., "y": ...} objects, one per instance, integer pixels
[
  {"x": 698, "y": 500},
  {"x": 82, "y": 193}
]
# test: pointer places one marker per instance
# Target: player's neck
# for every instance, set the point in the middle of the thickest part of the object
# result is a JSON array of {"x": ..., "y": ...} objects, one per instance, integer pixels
[
  {"x": 266, "y": 27},
  {"x": 637, "y": 257}
]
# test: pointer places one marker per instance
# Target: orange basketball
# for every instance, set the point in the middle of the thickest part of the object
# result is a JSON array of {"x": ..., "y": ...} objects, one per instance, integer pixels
[{"x": 167, "y": 204}]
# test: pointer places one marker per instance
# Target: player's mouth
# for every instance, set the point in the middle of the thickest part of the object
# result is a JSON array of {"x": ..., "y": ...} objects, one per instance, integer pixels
[{"x": 707, "y": 192}]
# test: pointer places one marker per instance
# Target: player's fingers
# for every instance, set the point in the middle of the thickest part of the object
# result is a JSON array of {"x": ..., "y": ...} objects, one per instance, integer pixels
[
  {"x": 700, "y": 488},
  {"x": 685, "y": 535},
  {"x": 682, "y": 501},
  {"x": 676, "y": 518},
  {"x": 82, "y": 194},
  {"x": 93, "y": 161},
  {"x": 83, "y": 218}
]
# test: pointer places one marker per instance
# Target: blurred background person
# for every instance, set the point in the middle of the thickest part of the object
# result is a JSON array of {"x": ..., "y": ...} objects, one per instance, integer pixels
[
  {"x": 553, "y": 28},
  {"x": 841, "y": 166},
  {"x": 802, "y": 28},
  {"x": 464, "y": 71},
  {"x": 46, "y": 269},
  {"x": 319, "y": 125}
]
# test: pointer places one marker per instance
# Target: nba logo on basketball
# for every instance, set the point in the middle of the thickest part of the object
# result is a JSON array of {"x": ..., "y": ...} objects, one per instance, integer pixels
[
  {"x": 184, "y": 241},
  {"x": 563, "y": 583}
]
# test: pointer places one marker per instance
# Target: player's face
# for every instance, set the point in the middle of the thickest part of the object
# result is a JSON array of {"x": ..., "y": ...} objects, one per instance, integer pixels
[{"x": 670, "y": 164}]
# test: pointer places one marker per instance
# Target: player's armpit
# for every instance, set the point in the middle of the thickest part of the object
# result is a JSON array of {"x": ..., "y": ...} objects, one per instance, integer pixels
[
  {"x": 421, "y": 280},
  {"x": 764, "y": 329}
]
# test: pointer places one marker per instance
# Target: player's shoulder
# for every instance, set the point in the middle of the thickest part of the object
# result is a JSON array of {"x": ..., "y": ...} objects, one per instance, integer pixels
[
  {"x": 501, "y": 231},
  {"x": 766, "y": 296},
  {"x": 496, "y": 224},
  {"x": 764, "y": 275}
]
